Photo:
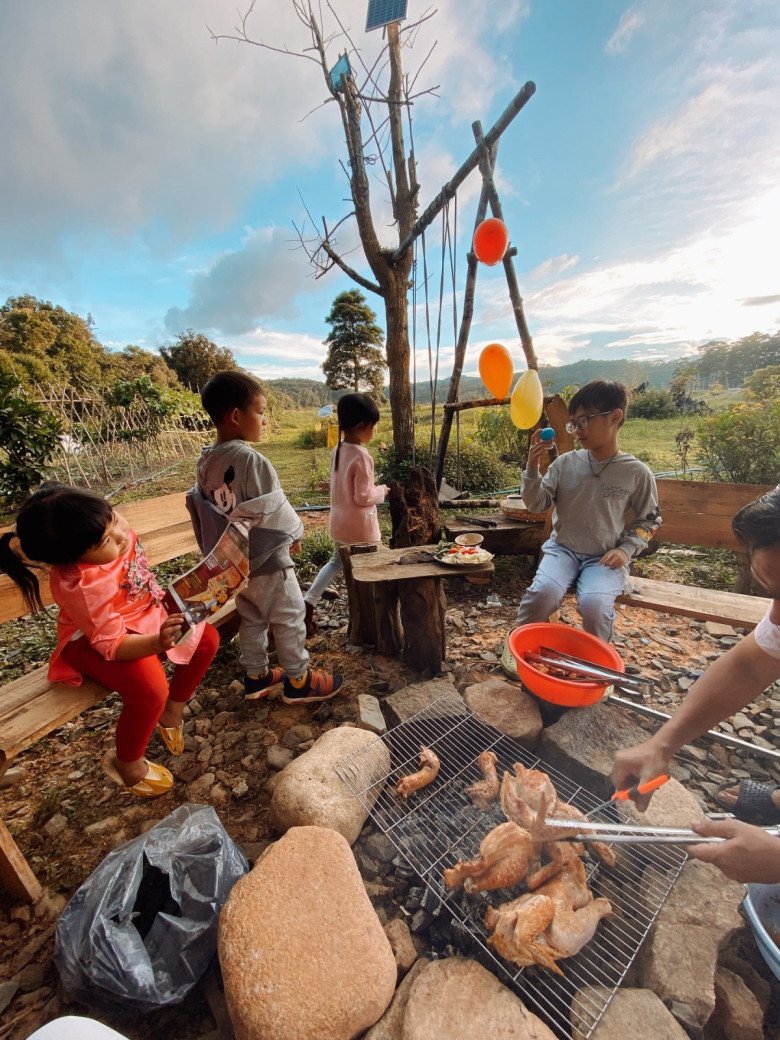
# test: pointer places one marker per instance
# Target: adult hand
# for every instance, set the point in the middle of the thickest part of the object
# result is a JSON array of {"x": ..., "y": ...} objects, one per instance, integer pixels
[
  {"x": 748, "y": 854},
  {"x": 170, "y": 631},
  {"x": 536, "y": 450},
  {"x": 615, "y": 558},
  {"x": 638, "y": 764}
]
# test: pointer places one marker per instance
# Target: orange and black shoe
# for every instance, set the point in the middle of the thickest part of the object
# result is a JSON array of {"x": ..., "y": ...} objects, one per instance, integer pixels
[
  {"x": 257, "y": 687},
  {"x": 311, "y": 687}
]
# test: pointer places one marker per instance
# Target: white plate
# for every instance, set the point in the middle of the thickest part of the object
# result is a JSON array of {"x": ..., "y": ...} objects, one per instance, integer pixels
[{"x": 480, "y": 556}]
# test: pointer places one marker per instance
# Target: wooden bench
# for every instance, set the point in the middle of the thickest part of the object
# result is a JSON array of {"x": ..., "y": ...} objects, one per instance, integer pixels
[
  {"x": 695, "y": 512},
  {"x": 400, "y": 607},
  {"x": 31, "y": 707}
]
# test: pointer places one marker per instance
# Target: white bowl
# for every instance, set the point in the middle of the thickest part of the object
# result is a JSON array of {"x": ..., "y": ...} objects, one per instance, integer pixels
[{"x": 470, "y": 539}]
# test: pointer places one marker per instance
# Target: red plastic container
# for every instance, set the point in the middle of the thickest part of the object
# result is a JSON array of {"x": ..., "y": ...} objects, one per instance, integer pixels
[{"x": 569, "y": 641}]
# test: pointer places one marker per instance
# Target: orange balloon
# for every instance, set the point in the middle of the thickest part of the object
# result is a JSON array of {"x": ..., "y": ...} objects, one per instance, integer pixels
[
  {"x": 491, "y": 240},
  {"x": 496, "y": 369}
]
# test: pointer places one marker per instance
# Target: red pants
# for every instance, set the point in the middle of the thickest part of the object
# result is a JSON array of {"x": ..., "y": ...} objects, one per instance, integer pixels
[{"x": 143, "y": 686}]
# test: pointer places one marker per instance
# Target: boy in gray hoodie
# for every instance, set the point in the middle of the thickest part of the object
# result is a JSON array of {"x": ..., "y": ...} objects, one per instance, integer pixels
[
  {"x": 592, "y": 490},
  {"x": 235, "y": 482}
]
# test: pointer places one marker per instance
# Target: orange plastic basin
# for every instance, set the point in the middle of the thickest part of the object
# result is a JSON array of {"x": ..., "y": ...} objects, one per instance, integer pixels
[{"x": 569, "y": 641}]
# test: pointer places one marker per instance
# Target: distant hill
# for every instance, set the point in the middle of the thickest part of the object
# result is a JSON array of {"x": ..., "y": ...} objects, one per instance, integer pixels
[{"x": 309, "y": 393}]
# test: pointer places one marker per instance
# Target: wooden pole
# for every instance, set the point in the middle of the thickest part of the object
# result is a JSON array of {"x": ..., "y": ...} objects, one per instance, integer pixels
[
  {"x": 463, "y": 335},
  {"x": 509, "y": 268},
  {"x": 448, "y": 191},
  {"x": 485, "y": 402}
]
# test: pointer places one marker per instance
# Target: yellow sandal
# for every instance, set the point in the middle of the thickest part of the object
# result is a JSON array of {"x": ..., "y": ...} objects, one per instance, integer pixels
[
  {"x": 172, "y": 737},
  {"x": 158, "y": 779}
]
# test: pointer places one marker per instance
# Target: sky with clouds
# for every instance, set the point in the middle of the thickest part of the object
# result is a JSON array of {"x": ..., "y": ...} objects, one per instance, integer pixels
[{"x": 152, "y": 176}]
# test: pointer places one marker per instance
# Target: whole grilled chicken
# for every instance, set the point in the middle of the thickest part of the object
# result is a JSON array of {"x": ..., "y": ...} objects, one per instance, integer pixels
[
  {"x": 485, "y": 791},
  {"x": 507, "y": 854}
]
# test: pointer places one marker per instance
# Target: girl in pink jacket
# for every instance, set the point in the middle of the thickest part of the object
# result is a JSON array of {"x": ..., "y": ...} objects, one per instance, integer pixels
[{"x": 353, "y": 494}]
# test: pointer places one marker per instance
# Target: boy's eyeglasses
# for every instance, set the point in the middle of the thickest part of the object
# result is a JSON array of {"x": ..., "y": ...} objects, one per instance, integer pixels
[{"x": 583, "y": 422}]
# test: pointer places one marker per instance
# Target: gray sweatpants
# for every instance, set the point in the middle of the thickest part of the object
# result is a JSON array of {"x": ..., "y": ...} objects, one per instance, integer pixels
[{"x": 273, "y": 601}]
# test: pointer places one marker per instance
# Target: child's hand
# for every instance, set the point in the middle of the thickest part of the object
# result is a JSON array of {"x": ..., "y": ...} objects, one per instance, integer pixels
[
  {"x": 170, "y": 631},
  {"x": 615, "y": 559},
  {"x": 295, "y": 548},
  {"x": 535, "y": 453}
]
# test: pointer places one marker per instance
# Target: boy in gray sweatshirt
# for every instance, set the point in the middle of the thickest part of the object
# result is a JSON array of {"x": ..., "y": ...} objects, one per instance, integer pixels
[
  {"x": 592, "y": 490},
  {"x": 235, "y": 482}
]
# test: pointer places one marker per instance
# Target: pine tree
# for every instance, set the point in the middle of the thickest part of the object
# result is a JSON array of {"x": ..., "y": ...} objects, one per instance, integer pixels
[{"x": 355, "y": 360}]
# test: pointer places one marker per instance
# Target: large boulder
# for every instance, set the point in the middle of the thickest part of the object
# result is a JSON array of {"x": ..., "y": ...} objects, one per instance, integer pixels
[
  {"x": 582, "y": 744},
  {"x": 671, "y": 806},
  {"x": 631, "y": 1013},
  {"x": 309, "y": 791},
  {"x": 458, "y": 999},
  {"x": 737, "y": 1012},
  {"x": 390, "y": 1025},
  {"x": 302, "y": 951},
  {"x": 679, "y": 958},
  {"x": 401, "y": 705},
  {"x": 508, "y": 708}
]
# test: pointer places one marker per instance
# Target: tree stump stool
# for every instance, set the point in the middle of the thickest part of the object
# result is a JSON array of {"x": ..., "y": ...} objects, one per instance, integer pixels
[{"x": 399, "y": 608}]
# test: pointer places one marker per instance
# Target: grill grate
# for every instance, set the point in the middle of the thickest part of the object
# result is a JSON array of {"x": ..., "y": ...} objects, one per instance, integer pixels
[{"x": 439, "y": 825}]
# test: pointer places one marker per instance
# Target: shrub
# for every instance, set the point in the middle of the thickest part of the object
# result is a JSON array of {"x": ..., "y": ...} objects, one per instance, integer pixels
[
  {"x": 741, "y": 445},
  {"x": 316, "y": 550},
  {"x": 312, "y": 438},
  {"x": 496, "y": 430},
  {"x": 652, "y": 404},
  {"x": 29, "y": 437},
  {"x": 480, "y": 469}
]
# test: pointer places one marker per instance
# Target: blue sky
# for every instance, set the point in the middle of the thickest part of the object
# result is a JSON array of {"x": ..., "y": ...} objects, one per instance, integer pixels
[{"x": 151, "y": 176}]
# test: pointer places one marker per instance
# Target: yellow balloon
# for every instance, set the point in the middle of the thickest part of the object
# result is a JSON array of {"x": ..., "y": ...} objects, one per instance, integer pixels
[
  {"x": 527, "y": 401},
  {"x": 496, "y": 369}
]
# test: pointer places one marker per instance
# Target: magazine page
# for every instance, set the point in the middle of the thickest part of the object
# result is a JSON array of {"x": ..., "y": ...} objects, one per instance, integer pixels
[{"x": 204, "y": 589}]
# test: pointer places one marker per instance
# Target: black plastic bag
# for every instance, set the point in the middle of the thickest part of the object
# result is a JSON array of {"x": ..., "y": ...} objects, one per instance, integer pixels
[{"x": 142, "y": 929}]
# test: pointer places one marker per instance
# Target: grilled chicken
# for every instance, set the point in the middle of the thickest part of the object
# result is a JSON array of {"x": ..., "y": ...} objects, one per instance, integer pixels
[
  {"x": 426, "y": 774},
  {"x": 485, "y": 791},
  {"x": 507, "y": 854}
]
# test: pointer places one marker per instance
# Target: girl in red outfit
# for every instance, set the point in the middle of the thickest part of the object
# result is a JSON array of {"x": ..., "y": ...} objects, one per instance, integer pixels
[{"x": 111, "y": 626}]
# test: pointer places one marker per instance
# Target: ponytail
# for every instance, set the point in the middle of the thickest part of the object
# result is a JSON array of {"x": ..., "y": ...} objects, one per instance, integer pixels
[
  {"x": 338, "y": 450},
  {"x": 20, "y": 573}
]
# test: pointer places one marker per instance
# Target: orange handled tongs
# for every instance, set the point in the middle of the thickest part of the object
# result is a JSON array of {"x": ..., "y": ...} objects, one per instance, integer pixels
[{"x": 631, "y": 793}]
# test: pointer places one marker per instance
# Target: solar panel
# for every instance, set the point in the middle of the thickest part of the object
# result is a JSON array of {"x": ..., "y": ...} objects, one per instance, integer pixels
[{"x": 382, "y": 12}]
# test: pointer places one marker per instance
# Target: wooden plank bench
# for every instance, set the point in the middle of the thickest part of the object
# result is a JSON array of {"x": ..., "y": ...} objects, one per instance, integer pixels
[
  {"x": 31, "y": 707},
  {"x": 696, "y": 512}
]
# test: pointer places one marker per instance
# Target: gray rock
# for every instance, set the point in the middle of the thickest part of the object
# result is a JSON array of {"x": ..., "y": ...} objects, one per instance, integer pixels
[
  {"x": 631, "y": 1013},
  {"x": 296, "y": 735},
  {"x": 405, "y": 703},
  {"x": 370, "y": 715},
  {"x": 110, "y": 823},
  {"x": 737, "y": 1012},
  {"x": 277, "y": 757},
  {"x": 11, "y": 777},
  {"x": 678, "y": 960},
  {"x": 379, "y": 847},
  {"x": 7, "y": 993},
  {"x": 717, "y": 630},
  {"x": 583, "y": 743},
  {"x": 55, "y": 826},
  {"x": 508, "y": 708}
]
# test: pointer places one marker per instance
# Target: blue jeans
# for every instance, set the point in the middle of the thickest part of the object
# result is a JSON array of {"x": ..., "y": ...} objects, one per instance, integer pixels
[{"x": 597, "y": 587}]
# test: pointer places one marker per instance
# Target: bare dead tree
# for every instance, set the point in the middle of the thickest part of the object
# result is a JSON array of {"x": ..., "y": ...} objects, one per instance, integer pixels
[{"x": 359, "y": 104}]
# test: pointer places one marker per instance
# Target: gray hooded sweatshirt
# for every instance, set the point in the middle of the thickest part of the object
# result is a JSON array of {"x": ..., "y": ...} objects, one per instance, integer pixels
[{"x": 235, "y": 482}]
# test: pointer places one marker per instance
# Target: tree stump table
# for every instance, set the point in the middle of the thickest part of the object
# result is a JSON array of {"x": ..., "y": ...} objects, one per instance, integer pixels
[{"x": 399, "y": 607}]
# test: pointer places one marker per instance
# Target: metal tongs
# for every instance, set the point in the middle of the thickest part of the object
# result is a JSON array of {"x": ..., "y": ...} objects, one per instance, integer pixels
[
  {"x": 587, "y": 671},
  {"x": 633, "y": 834}
]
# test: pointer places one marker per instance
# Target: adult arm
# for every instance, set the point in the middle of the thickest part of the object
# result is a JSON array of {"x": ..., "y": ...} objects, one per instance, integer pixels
[
  {"x": 749, "y": 854},
  {"x": 729, "y": 684}
]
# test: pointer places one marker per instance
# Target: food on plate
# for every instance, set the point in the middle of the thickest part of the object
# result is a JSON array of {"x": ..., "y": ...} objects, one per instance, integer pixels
[
  {"x": 426, "y": 774},
  {"x": 555, "y": 921},
  {"x": 529, "y": 797},
  {"x": 449, "y": 552},
  {"x": 485, "y": 791}
]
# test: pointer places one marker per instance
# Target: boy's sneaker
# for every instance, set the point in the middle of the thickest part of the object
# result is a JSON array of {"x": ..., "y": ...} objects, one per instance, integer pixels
[
  {"x": 254, "y": 689},
  {"x": 311, "y": 624},
  {"x": 314, "y": 686}
]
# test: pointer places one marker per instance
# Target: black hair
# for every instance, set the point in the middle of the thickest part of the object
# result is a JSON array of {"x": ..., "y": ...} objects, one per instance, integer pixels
[
  {"x": 600, "y": 395},
  {"x": 226, "y": 390},
  {"x": 354, "y": 410},
  {"x": 757, "y": 525},
  {"x": 56, "y": 525}
]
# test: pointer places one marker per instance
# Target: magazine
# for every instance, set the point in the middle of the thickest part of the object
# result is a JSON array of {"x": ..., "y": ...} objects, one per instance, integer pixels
[{"x": 204, "y": 589}]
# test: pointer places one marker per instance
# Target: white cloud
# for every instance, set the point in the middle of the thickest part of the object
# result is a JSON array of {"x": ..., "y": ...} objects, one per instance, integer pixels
[{"x": 630, "y": 23}]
